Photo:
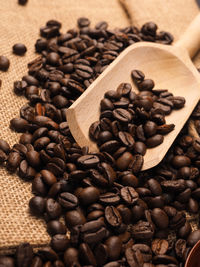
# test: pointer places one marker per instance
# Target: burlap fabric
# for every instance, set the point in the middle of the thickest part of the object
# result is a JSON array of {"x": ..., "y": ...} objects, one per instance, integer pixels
[{"x": 21, "y": 24}]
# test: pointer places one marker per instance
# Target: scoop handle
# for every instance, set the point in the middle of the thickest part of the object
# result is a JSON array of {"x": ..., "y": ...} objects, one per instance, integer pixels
[{"x": 190, "y": 40}]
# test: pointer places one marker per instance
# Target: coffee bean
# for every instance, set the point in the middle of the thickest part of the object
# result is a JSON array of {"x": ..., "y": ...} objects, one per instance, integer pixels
[
  {"x": 139, "y": 148},
  {"x": 129, "y": 195},
  {"x": 122, "y": 115},
  {"x": 154, "y": 140},
  {"x": 86, "y": 254},
  {"x": 126, "y": 139},
  {"x": 4, "y": 146},
  {"x": 71, "y": 257},
  {"x": 185, "y": 230},
  {"x": 114, "y": 246},
  {"x": 146, "y": 85},
  {"x": 101, "y": 254},
  {"x": 109, "y": 198},
  {"x": 160, "y": 218},
  {"x": 93, "y": 232},
  {"x": 74, "y": 217},
  {"x": 24, "y": 255},
  {"x": 137, "y": 75},
  {"x": 59, "y": 242},
  {"x": 83, "y": 22},
  {"x": 22, "y": 2},
  {"x": 150, "y": 128},
  {"x": 19, "y": 124},
  {"x": 53, "y": 208},
  {"x": 4, "y": 63},
  {"x": 159, "y": 246},
  {"x": 143, "y": 250},
  {"x": 142, "y": 230},
  {"x": 193, "y": 238},
  {"x": 89, "y": 195},
  {"x": 68, "y": 201},
  {"x": 155, "y": 187},
  {"x": 88, "y": 161},
  {"x": 19, "y": 49},
  {"x": 13, "y": 161},
  {"x": 113, "y": 216},
  {"x": 180, "y": 248},
  {"x": 55, "y": 227},
  {"x": 181, "y": 161},
  {"x": 33, "y": 158},
  {"x": 124, "y": 161}
]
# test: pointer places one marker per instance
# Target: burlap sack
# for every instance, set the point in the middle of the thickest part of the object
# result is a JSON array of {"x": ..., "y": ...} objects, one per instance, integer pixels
[{"x": 21, "y": 24}]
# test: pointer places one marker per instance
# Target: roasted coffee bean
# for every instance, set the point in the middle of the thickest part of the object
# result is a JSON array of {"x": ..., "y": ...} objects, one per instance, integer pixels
[
  {"x": 159, "y": 246},
  {"x": 109, "y": 198},
  {"x": 185, "y": 230},
  {"x": 180, "y": 248},
  {"x": 139, "y": 148},
  {"x": 86, "y": 254},
  {"x": 88, "y": 161},
  {"x": 89, "y": 195},
  {"x": 155, "y": 187},
  {"x": 134, "y": 258},
  {"x": 129, "y": 179},
  {"x": 144, "y": 250},
  {"x": 59, "y": 242},
  {"x": 101, "y": 254},
  {"x": 160, "y": 218},
  {"x": 13, "y": 161},
  {"x": 19, "y": 125},
  {"x": 24, "y": 255},
  {"x": 4, "y": 146},
  {"x": 74, "y": 217},
  {"x": 4, "y": 63},
  {"x": 48, "y": 254},
  {"x": 93, "y": 232},
  {"x": 122, "y": 115},
  {"x": 137, "y": 76},
  {"x": 150, "y": 128},
  {"x": 114, "y": 246},
  {"x": 71, "y": 257},
  {"x": 22, "y": 2},
  {"x": 19, "y": 49},
  {"x": 129, "y": 195},
  {"x": 68, "y": 201},
  {"x": 33, "y": 158},
  {"x": 146, "y": 85},
  {"x": 165, "y": 259},
  {"x": 193, "y": 238},
  {"x": 154, "y": 140},
  {"x": 55, "y": 227},
  {"x": 142, "y": 230},
  {"x": 37, "y": 205},
  {"x": 53, "y": 209},
  {"x": 181, "y": 161},
  {"x": 113, "y": 216},
  {"x": 137, "y": 163},
  {"x": 124, "y": 161}
]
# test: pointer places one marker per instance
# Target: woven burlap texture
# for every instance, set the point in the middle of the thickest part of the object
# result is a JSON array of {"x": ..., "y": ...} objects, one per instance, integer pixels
[{"x": 21, "y": 24}]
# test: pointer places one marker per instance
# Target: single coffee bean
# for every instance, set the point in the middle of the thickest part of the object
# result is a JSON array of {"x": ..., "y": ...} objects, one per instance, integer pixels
[
  {"x": 114, "y": 246},
  {"x": 55, "y": 227},
  {"x": 59, "y": 242},
  {"x": 93, "y": 232},
  {"x": 193, "y": 238},
  {"x": 74, "y": 217},
  {"x": 113, "y": 216},
  {"x": 37, "y": 205},
  {"x": 143, "y": 250},
  {"x": 180, "y": 248},
  {"x": 150, "y": 128},
  {"x": 154, "y": 140},
  {"x": 185, "y": 230},
  {"x": 101, "y": 254},
  {"x": 86, "y": 255},
  {"x": 155, "y": 187},
  {"x": 181, "y": 161},
  {"x": 53, "y": 209},
  {"x": 89, "y": 195},
  {"x": 19, "y": 125},
  {"x": 71, "y": 257},
  {"x": 139, "y": 148},
  {"x": 137, "y": 76},
  {"x": 146, "y": 85},
  {"x": 159, "y": 246},
  {"x": 19, "y": 49},
  {"x": 22, "y": 2},
  {"x": 88, "y": 161},
  {"x": 4, "y": 63},
  {"x": 160, "y": 218},
  {"x": 4, "y": 146},
  {"x": 68, "y": 201},
  {"x": 124, "y": 161},
  {"x": 129, "y": 195},
  {"x": 24, "y": 255}
]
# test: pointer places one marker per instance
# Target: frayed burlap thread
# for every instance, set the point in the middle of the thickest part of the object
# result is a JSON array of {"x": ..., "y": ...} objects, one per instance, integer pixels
[{"x": 21, "y": 24}]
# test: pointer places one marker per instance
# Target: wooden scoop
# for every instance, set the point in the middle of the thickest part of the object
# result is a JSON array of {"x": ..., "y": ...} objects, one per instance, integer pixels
[{"x": 169, "y": 66}]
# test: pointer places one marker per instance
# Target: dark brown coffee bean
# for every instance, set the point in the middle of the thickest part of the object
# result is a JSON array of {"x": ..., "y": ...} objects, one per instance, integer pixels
[
  {"x": 24, "y": 255},
  {"x": 133, "y": 258},
  {"x": 164, "y": 259},
  {"x": 101, "y": 254},
  {"x": 155, "y": 187},
  {"x": 129, "y": 179},
  {"x": 53, "y": 208},
  {"x": 154, "y": 141},
  {"x": 109, "y": 198},
  {"x": 89, "y": 195},
  {"x": 71, "y": 257},
  {"x": 74, "y": 217},
  {"x": 55, "y": 227},
  {"x": 165, "y": 128},
  {"x": 19, "y": 49},
  {"x": 59, "y": 242},
  {"x": 122, "y": 115},
  {"x": 7, "y": 261},
  {"x": 142, "y": 230},
  {"x": 124, "y": 161},
  {"x": 33, "y": 158},
  {"x": 124, "y": 89},
  {"x": 113, "y": 216},
  {"x": 180, "y": 248},
  {"x": 149, "y": 28},
  {"x": 144, "y": 250},
  {"x": 13, "y": 161},
  {"x": 129, "y": 195},
  {"x": 160, "y": 218},
  {"x": 139, "y": 148},
  {"x": 37, "y": 205},
  {"x": 93, "y": 232},
  {"x": 150, "y": 128},
  {"x": 159, "y": 246},
  {"x": 137, "y": 163},
  {"x": 22, "y": 2},
  {"x": 114, "y": 246},
  {"x": 185, "y": 230},
  {"x": 4, "y": 146},
  {"x": 83, "y": 22},
  {"x": 19, "y": 125},
  {"x": 178, "y": 102},
  {"x": 88, "y": 161},
  {"x": 181, "y": 161},
  {"x": 4, "y": 63},
  {"x": 137, "y": 76},
  {"x": 126, "y": 139},
  {"x": 146, "y": 85},
  {"x": 68, "y": 201},
  {"x": 86, "y": 255}
]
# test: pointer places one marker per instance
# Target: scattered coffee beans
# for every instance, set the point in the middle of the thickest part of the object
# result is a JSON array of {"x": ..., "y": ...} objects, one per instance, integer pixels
[
  {"x": 19, "y": 49},
  {"x": 116, "y": 215}
]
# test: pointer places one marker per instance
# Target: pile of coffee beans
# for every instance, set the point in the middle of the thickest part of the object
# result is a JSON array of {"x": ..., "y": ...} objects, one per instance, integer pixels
[
  {"x": 130, "y": 123},
  {"x": 112, "y": 216}
]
